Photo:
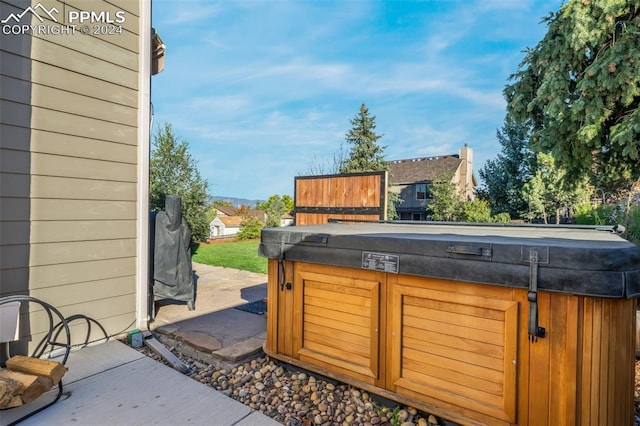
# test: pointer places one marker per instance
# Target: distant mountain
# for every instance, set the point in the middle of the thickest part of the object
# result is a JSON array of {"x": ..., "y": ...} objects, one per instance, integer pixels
[{"x": 235, "y": 202}]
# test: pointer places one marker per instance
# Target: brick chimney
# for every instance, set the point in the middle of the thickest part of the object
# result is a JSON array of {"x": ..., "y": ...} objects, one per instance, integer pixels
[{"x": 466, "y": 172}]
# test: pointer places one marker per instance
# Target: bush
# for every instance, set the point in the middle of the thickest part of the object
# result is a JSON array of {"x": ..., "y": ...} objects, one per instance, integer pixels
[{"x": 250, "y": 228}]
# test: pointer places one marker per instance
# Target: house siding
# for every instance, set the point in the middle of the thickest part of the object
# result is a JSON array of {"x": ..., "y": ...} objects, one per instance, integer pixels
[{"x": 69, "y": 131}]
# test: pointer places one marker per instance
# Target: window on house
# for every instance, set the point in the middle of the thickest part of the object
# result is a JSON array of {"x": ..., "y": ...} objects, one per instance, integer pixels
[{"x": 421, "y": 191}]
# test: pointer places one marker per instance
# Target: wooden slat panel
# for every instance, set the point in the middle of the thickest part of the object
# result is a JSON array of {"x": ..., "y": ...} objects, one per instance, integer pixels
[
  {"x": 332, "y": 293},
  {"x": 430, "y": 357},
  {"x": 354, "y": 339},
  {"x": 463, "y": 373},
  {"x": 360, "y": 191},
  {"x": 453, "y": 330},
  {"x": 329, "y": 332},
  {"x": 456, "y": 394},
  {"x": 337, "y": 353},
  {"x": 449, "y": 307},
  {"x": 481, "y": 358},
  {"x": 360, "y": 330},
  {"x": 539, "y": 391},
  {"x": 339, "y": 306},
  {"x": 563, "y": 358},
  {"x": 457, "y": 318},
  {"x": 467, "y": 345}
]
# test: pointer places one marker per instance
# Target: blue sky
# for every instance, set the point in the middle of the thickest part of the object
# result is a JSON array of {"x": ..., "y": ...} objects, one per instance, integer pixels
[{"x": 259, "y": 88}]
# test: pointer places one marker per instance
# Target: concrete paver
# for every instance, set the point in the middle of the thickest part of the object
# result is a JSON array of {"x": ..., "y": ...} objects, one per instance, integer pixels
[{"x": 215, "y": 330}]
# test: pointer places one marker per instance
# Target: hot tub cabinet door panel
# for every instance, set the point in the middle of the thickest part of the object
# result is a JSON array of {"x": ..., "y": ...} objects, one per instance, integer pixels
[
  {"x": 336, "y": 320},
  {"x": 454, "y": 350}
]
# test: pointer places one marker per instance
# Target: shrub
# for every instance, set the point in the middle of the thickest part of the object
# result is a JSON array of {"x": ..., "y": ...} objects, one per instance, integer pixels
[{"x": 250, "y": 228}]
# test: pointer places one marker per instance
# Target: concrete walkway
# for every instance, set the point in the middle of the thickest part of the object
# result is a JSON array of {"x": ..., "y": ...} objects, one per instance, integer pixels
[{"x": 113, "y": 384}]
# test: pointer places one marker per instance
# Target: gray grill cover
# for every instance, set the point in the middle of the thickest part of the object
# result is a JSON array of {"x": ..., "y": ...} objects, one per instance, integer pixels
[
  {"x": 573, "y": 260},
  {"x": 172, "y": 268}
]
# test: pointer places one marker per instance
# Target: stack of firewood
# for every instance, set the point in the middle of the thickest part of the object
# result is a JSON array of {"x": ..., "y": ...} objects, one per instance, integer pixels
[{"x": 26, "y": 378}]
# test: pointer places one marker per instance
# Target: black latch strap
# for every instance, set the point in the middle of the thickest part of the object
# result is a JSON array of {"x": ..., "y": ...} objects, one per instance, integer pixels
[{"x": 534, "y": 330}]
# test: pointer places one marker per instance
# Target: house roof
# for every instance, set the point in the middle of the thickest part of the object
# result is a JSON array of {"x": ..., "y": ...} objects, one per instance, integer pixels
[
  {"x": 226, "y": 210},
  {"x": 231, "y": 221},
  {"x": 423, "y": 169}
]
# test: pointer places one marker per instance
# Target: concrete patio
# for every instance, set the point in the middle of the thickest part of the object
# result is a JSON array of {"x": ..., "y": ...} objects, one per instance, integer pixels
[{"x": 112, "y": 383}]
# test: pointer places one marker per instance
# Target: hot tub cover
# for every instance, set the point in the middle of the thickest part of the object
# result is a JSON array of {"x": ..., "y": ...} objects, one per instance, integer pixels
[{"x": 577, "y": 260}]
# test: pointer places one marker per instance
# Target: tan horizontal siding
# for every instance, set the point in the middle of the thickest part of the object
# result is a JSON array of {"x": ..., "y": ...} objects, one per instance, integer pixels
[
  {"x": 48, "y": 75},
  {"x": 74, "y": 210},
  {"x": 81, "y": 272},
  {"x": 17, "y": 114},
  {"x": 81, "y": 251},
  {"x": 59, "y": 165},
  {"x": 96, "y": 309},
  {"x": 114, "y": 325},
  {"x": 130, "y": 7},
  {"x": 79, "y": 189},
  {"x": 61, "y": 231},
  {"x": 61, "y": 100},
  {"x": 120, "y": 49},
  {"x": 74, "y": 146},
  {"x": 60, "y": 56},
  {"x": 80, "y": 293}
]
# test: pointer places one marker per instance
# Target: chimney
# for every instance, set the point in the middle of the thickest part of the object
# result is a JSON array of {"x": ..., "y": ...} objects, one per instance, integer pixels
[{"x": 466, "y": 172}]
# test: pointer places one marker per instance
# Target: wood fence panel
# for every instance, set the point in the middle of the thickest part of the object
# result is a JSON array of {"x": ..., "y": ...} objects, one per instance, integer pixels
[{"x": 360, "y": 196}]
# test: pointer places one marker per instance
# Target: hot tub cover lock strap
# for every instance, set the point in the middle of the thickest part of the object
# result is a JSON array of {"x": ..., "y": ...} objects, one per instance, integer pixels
[{"x": 534, "y": 330}]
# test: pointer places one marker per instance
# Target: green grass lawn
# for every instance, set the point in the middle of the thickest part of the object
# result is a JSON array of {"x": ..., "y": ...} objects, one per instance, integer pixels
[{"x": 237, "y": 255}]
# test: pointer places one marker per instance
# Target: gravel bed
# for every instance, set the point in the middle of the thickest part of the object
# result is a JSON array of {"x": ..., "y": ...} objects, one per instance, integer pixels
[{"x": 296, "y": 398}]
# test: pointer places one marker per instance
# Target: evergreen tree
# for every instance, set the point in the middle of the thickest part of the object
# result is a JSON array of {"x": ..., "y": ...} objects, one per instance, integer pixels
[
  {"x": 547, "y": 193},
  {"x": 365, "y": 155},
  {"x": 505, "y": 176},
  {"x": 446, "y": 204},
  {"x": 173, "y": 171},
  {"x": 580, "y": 89}
]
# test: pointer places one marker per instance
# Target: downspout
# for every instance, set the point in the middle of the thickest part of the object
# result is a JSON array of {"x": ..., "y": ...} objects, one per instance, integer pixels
[{"x": 144, "y": 136}]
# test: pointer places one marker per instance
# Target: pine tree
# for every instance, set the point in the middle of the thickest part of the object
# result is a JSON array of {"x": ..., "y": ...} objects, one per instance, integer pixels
[
  {"x": 173, "y": 171},
  {"x": 505, "y": 176},
  {"x": 580, "y": 89},
  {"x": 365, "y": 155}
]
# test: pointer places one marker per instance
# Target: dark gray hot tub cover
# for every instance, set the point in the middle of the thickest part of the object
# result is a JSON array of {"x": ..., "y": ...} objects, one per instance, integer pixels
[{"x": 173, "y": 274}]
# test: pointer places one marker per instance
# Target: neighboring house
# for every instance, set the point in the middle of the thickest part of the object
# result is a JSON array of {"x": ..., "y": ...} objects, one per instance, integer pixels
[
  {"x": 287, "y": 219},
  {"x": 412, "y": 178},
  {"x": 74, "y": 144},
  {"x": 228, "y": 223},
  {"x": 225, "y": 226}
]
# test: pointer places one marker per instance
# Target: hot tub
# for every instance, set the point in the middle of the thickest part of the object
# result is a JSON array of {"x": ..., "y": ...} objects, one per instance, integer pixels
[{"x": 477, "y": 324}]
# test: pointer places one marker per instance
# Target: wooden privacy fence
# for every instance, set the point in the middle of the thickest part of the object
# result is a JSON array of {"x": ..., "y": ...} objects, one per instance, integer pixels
[{"x": 361, "y": 196}]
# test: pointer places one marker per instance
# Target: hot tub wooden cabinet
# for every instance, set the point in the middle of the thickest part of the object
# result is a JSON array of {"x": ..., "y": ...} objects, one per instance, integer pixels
[{"x": 477, "y": 324}]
